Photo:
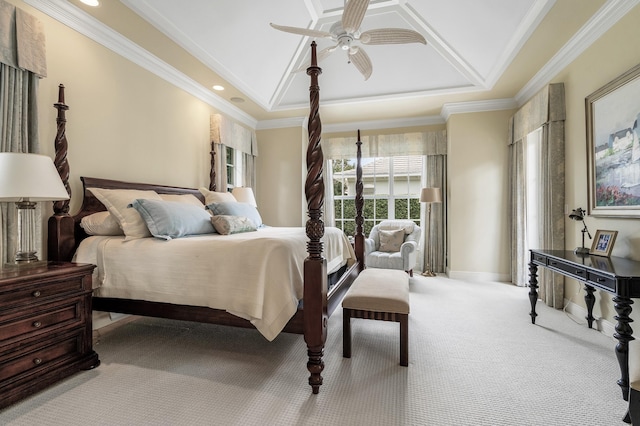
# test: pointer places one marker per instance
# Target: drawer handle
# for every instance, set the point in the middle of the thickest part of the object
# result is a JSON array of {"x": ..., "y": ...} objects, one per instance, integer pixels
[
  {"x": 601, "y": 280},
  {"x": 553, "y": 263},
  {"x": 37, "y": 361},
  {"x": 37, "y": 324},
  {"x": 36, "y": 293},
  {"x": 579, "y": 272}
]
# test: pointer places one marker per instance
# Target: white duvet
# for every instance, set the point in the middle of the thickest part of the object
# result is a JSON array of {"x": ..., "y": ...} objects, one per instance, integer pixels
[{"x": 254, "y": 275}]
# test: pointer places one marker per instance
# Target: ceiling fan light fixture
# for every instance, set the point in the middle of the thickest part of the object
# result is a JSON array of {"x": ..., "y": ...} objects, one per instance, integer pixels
[{"x": 347, "y": 29}]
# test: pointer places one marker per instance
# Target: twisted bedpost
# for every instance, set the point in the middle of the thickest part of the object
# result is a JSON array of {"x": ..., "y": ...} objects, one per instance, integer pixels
[
  {"x": 60, "y": 243},
  {"x": 212, "y": 169},
  {"x": 315, "y": 266},
  {"x": 359, "y": 237}
]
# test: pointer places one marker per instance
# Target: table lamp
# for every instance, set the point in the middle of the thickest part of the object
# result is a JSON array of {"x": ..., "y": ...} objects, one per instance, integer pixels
[
  {"x": 429, "y": 196},
  {"x": 26, "y": 179},
  {"x": 578, "y": 215},
  {"x": 244, "y": 195}
]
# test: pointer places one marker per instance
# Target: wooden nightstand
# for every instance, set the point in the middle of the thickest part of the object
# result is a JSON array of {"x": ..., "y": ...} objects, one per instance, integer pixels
[{"x": 45, "y": 327}]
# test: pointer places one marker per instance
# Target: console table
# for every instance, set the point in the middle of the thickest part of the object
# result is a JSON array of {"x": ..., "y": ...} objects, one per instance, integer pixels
[{"x": 615, "y": 275}]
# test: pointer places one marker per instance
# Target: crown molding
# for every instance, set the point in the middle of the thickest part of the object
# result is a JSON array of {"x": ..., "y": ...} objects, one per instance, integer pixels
[
  {"x": 281, "y": 123},
  {"x": 609, "y": 14},
  {"x": 477, "y": 106},
  {"x": 78, "y": 20},
  {"x": 383, "y": 124}
]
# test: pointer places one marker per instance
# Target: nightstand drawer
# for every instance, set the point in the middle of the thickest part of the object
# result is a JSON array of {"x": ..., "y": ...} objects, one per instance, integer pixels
[
  {"x": 41, "y": 291},
  {"x": 44, "y": 319},
  {"x": 40, "y": 357}
]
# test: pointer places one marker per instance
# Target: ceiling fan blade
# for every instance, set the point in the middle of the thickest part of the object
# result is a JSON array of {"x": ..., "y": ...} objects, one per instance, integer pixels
[
  {"x": 301, "y": 31},
  {"x": 321, "y": 55},
  {"x": 391, "y": 36},
  {"x": 361, "y": 61},
  {"x": 353, "y": 14}
]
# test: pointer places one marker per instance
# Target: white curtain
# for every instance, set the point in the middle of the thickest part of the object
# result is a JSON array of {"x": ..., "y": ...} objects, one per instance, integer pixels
[
  {"x": 22, "y": 62},
  {"x": 546, "y": 112}
]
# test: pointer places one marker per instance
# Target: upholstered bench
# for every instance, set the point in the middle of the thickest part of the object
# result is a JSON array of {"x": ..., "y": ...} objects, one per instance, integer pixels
[{"x": 378, "y": 294}]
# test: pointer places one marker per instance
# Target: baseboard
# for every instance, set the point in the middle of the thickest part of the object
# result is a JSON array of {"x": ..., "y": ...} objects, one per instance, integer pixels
[
  {"x": 600, "y": 324},
  {"x": 478, "y": 276}
]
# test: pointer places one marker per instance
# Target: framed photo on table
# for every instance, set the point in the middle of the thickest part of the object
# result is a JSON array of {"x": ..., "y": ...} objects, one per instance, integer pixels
[
  {"x": 603, "y": 243},
  {"x": 613, "y": 147}
]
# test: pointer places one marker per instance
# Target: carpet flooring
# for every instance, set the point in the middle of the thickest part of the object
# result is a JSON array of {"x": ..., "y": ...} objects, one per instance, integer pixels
[{"x": 474, "y": 359}]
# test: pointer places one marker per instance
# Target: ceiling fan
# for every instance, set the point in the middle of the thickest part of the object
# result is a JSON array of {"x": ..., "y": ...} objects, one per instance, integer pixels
[{"x": 347, "y": 31}]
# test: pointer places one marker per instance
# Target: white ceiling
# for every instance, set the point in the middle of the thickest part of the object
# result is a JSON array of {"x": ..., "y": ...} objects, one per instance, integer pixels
[{"x": 470, "y": 44}]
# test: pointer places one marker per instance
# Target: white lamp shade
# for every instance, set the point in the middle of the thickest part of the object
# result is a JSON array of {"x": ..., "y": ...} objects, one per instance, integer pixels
[
  {"x": 431, "y": 195},
  {"x": 29, "y": 177},
  {"x": 244, "y": 195}
]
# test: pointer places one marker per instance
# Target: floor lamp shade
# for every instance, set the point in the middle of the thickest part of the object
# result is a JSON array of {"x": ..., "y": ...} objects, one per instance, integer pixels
[
  {"x": 429, "y": 196},
  {"x": 26, "y": 179}
]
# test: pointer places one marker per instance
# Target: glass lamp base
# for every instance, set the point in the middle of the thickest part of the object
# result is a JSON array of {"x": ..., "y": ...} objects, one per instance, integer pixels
[{"x": 24, "y": 265}]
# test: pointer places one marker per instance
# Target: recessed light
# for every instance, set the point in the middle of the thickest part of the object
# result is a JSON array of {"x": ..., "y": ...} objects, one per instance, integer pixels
[
  {"x": 218, "y": 87},
  {"x": 237, "y": 100},
  {"x": 93, "y": 3}
]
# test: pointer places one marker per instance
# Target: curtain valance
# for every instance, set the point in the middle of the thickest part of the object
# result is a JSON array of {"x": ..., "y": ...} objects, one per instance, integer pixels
[
  {"x": 225, "y": 131},
  {"x": 415, "y": 143},
  {"x": 22, "y": 41},
  {"x": 545, "y": 106}
]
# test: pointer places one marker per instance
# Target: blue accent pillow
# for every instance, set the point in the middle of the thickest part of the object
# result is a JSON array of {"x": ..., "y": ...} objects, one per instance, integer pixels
[
  {"x": 172, "y": 219},
  {"x": 236, "y": 209}
]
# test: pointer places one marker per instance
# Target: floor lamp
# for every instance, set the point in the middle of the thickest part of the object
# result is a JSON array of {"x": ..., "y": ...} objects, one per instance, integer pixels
[{"x": 429, "y": 196}]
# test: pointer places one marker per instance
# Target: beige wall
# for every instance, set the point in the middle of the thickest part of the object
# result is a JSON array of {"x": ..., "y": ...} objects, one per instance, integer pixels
[
  {"x": 478, "y": 244},
  {"x": 280, "y": 190},
  {"x": 613, "y": 54},
  {"x": 123, "y": 122}
]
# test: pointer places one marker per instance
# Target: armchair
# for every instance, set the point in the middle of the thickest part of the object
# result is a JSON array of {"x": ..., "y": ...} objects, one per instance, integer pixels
[{"x": 393, "y": 244}]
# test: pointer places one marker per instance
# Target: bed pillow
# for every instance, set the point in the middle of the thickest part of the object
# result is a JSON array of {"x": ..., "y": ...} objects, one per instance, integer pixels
[
  {"x": 183, "y": 198},
  {"x": 390, "y": 241},
  {"x": 216, "y": 197},
  {"x": 101, "y": 223},
  {"x": 172, "y": 219},
  {"x": 236, "y": 209},
  {"x": 226, "y": 225},
  {"x": 117, "y": 202}
]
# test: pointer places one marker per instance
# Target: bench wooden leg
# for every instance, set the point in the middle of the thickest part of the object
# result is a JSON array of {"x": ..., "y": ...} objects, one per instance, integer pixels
[
  {"x": 404, "y": 339},
  {"x": 346, "y": 333},
  {"x": 634, "y": 406}
]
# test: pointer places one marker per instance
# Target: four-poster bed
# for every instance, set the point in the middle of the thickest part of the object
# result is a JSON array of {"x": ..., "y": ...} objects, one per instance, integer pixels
[{"x": 319, "y": 299}]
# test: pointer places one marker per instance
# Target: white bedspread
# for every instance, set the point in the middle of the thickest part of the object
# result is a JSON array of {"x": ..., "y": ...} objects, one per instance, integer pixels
[{"x": 254, "y": 275}]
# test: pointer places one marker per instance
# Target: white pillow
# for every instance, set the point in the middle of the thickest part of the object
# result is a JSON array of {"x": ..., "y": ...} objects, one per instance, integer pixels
[
  {"x": 391, "y": 241},
  {"x": 117, "y": 201},
  {"x": 182, "y": 198},
  {"x": 216, "y": 197},
  {"x": 101, "y": 223}
]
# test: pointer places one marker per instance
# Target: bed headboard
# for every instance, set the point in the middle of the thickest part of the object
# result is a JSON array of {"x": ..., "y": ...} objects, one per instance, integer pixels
[{"x": 70, "y": 234}]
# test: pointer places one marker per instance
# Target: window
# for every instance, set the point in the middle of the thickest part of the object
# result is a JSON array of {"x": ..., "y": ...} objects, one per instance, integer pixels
[
  {"x": 391, "y": 190},
  {"x": 234, "y": 164}
]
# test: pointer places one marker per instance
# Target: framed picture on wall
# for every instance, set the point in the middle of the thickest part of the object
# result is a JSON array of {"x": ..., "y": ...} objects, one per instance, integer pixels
[
  {"x": 603, "y": 243},
  {"x": 613, "y": 147}
]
